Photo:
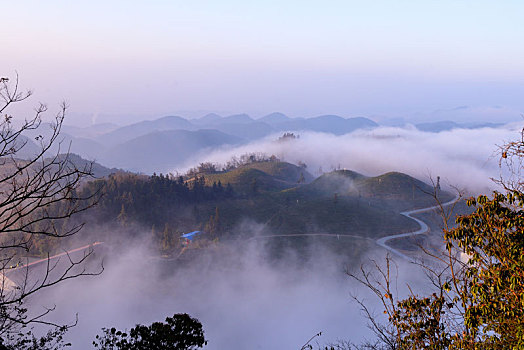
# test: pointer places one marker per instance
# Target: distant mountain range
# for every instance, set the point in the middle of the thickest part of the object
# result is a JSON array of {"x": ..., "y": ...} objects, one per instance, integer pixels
[
  {"x": 165, "y": 143},
  {"x": 129, "y": 132},
  {"x": 447, "y": 125},
  {"x": 239, "y": 125},
  {"x": 162, "y": 151}
]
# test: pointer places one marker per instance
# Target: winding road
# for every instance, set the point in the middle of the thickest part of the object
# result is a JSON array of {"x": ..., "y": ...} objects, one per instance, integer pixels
[
  {"x": 67, "y": 252},
  {"x": 306, "y": 235},
  {"x": 382, "y": 242},
  {"x": 423, "y": 228},
  {"x": 9, "y": 284}
]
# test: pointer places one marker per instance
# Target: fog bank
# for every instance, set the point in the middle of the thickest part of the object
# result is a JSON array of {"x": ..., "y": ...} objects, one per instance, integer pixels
[
  {"x": 465, "y": 158},
  {"x": 243, "y": 299}
]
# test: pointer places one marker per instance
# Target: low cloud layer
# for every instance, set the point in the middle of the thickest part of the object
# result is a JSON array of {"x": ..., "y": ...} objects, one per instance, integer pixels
[
  {"x": 243, "y": 299},
  {"x": 465, "y": 158}
]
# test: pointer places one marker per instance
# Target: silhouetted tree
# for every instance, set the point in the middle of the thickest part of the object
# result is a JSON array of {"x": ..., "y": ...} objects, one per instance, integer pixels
[
  {"x": 254, "y": 186},
  {"x": 180, "y": 332},
  {"x": 167, "y": 243},
  {"x": 229, "y": 191},
  {"x": 52, "y": 340},
  {"x": 122, "y": 216},
  {"x": 213, "y": 225}
]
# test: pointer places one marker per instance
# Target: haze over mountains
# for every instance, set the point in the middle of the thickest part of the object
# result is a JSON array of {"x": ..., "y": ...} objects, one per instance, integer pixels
[{"x": 172, "y": 142}]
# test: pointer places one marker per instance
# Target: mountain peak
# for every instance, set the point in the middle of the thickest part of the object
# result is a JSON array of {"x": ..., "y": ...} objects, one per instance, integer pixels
[
  {"x": 238, "y": 118},
  {"x": 275, "y": 117},
  {"x": 210, "y": 117}
]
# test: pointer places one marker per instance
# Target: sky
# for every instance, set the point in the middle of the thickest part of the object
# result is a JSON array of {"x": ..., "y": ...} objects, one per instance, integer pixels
[{"x": 121, "y": 61}]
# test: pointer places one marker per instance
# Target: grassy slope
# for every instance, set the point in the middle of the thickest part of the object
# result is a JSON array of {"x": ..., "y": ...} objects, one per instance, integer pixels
[
  {"x": 393, "y": 190},
  {"x": 341, "y": 202},
  {"x": 270, "y": 176}
]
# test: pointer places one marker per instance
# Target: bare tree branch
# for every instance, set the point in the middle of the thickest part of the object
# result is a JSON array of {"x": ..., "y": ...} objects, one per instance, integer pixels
[{"x": 38, "y": 196}]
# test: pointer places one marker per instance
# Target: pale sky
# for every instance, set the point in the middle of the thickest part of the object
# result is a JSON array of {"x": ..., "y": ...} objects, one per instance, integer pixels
[{"x": 121, "y": 61}]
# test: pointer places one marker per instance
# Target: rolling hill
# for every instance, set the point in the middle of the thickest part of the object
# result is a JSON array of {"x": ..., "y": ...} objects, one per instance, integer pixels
[
  {"x": 340, "y": 202},
  {"x": 393, "y": 189},
  {"x": 269, "y": 176}
]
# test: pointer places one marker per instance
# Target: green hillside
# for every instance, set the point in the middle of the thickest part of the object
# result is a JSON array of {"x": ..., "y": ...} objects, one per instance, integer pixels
[
  {"x": 394, "y": 185},
  {"x": 340, "y": 182},
  {"x": 262, "y": 176},
  {"x": 393, "y": 190},
  {"x": 262, "y": 198},
  {"x": 283, "y": 171}
]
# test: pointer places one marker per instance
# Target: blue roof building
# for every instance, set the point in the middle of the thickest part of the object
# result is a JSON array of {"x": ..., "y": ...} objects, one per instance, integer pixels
[{"x": 191, "y": 235}]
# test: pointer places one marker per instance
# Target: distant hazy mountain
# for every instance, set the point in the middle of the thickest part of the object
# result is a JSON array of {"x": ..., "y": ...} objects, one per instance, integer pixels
[
  {"x": 464, "y": 114},
  {"x": 338, "y": 125},
  {"x": 240, "y": 125},
  {"x": 27, "y": 147},
  {"x": 290, "y": 124},
  {"x": 446, "y": 125},
  {"x": 129, "y": 132},
  {"x": 207, "y": 119},
  {"x": 437, "y": 126},
  {"x": 237, "y": 118},
  {"x": 91, "y": 131},
  {"x": 97, "y": 169},
  {"x": 211, "y": 120},
  {"x": 394, "y": 122},
  {"x": 481, "y": 125},
  {"x": 65, "y": 142},
  {"x": 86, "y": 147},
  {"x": 161, "y": 151},
  {"x": 274, "y": 118},
  {"x": 249, "y": 131},
  {"x": 326, "y": 123},
  {"x": 164, "y": 143}
]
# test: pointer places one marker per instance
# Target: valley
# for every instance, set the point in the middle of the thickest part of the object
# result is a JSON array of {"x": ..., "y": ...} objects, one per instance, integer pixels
[
  {"x": 280, "y": 259},
  {"x": 255, "y": 197}
]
